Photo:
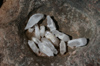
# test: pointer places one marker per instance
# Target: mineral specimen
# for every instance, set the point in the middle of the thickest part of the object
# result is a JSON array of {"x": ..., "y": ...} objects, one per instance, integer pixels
[
  {"x": 77, "y": 42},
  {"x": 37, "y": 32},
  {"x": 62, "y": 47},
  {"x": 42, "y": 31}
]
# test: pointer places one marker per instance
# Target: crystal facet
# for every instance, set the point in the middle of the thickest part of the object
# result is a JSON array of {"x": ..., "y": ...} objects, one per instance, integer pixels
[
  {"x": 50, "y": 36},
  {"x": 77, "y": 42},
  {"x": 61, "y": 35},
  {"x": 37, "y": 32},
  {"x": 62, "y": 47},
  {"x": 34, "y": 19},
  {"x": 42, "y": 31},
  {"x": 49, "y": 44},
  {"x": 33, "y": 46},
  {"x": 50, "y": 23}
]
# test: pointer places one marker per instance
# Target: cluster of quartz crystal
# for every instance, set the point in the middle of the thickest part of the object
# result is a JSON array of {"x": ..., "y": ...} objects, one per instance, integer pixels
[{"x": 44, "y": 42}]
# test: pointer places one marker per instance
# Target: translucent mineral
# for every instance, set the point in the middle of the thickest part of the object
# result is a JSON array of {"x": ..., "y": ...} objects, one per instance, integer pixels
[
  {"x": 50, "y": 23},
  {"x": 42, "y": 31},
  {"x": 37, "y": 41},
  {"x": 61, "y": 35},
  {"x": 44, "y": 49},
  {"x": 77, "y": 42},
  {"x": 62, "y": 47},
  {"x": 30, "y": 30},
  {"x": 34, "y": 19},
  {"x": 49, "y": 44},
  {"x": 37, "y": 32},
  {"x": 33, "y": 46},
  {"x": 51, "y": 37}
]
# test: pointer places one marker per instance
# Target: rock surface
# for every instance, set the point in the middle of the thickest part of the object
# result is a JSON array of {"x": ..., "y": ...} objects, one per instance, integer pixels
[{"x": 78, "y": 18}]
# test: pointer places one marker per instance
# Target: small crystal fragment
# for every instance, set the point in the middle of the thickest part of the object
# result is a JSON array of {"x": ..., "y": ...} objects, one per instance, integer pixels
[
  {"x": 37, "y": 32},
  {"x": 37, "y": 41},
  {"x": 50, "y": 36},
  {"x": 33, "y": 46},
  {"x": 49, "y": 44},
  {"x": 50, "y": 23},
  {"x": 34, "y": 19},
  {"x": 42, "y": 31},
  {"x": 30, "y": 30},
  {"x": 77, "y": 42},
  {"x": 61, "y": 35},
  {"x": 62, "y": 47},
  {"x": 44, "y": 49}
]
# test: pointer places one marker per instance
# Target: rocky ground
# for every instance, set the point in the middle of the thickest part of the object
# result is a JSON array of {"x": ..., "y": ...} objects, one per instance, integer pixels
[{"x": 77, "y": 18}]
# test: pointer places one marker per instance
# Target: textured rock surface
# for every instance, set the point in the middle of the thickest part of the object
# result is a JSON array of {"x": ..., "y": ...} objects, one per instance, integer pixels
[{"x": 78, "y": 18}]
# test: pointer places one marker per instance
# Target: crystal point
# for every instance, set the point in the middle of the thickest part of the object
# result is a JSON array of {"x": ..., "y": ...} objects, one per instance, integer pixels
[{"x": 62, "y": 47}]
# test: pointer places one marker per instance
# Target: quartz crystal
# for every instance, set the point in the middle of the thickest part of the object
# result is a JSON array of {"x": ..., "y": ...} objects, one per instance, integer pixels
[
  {"x": 37, "y": 32},
  {"x": 61, "y": 35},
  {"x": 77, "y": 42},
  {"x": 50, "y": 23},
  {"x": 42, "y": 31},
  {"x": 62, "y": 47},
  {"x": 34, "y": 19},
  {"x": 44, "y": 49},
  {"x": 51, "y": 37},
  {"x": 37, "y": 41},
  {"x": 33, "y": 46},
  {"x": 49, "y": 44},
  {"x": 30, "y": 30}
]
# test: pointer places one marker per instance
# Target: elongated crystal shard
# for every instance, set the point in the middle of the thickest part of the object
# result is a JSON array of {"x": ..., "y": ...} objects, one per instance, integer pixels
[
  {"x": 37, "y": 32},
  {"x": 50, "y": 23},
  {"x": 33, "y": 46},
  {"x": 42, "y": 31},
  {"x": 51, "y": 37},
  {"x": 49, "y": 44},
  {"x": 62, "y": 47},
  {"x": 46, "y": 50},
  {"x": 61, "y": 35},
  {"x": 34, "y": 19},
  {"x": 37, "y": 41},
  {"x": 77, "y": 42}
]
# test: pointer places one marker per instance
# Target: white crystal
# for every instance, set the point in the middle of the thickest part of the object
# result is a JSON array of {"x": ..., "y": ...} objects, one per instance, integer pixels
[
  {"x": 49, "y": 44},
  {"x": 33, "y": 46},
  {"x": 50, "y": 36},
  {"x": 37, "y": 32},
  {"x": 34, "y": 19},
  {"x": 62, "y": 47},
  {"x": 44, "y": 49},
  {"x": 30, "y": 30},
  {"x": 42, "y": 31},
  {"x": 77, "y": 42},
  {"x": 37, "y": 41},
  {"x": 50, "y": 23},
  {"x": 61, "y": 35}
]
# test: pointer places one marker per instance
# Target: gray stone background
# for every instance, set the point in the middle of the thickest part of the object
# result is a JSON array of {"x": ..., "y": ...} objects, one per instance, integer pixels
[{"x": 77, "y": 18}]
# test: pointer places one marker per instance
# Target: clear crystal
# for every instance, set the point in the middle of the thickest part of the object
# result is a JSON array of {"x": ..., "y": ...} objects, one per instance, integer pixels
[
  {"x": 51, "y": 37},
  {"x": 34, "y": 19},
  {"x": 77, "y": 42},
  {"x": 42, "y": 31},
  {"x": 37, "y": 32},
  {"x": 49, "y": 44},
  {"x": 62, "y": 47},
  {"x": 50, "y": 23},
  {"x": 61, "y": 35},
  {"x": 37, "y": 41},
  {"x": 33, "y": 46}
]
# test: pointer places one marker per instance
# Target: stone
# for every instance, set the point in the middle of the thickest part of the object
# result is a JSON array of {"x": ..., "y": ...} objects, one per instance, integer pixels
[
  {"x": 61, "y": 35},
  {"x": 62, "y": 47},
  {"x": 42, "y": 31},
  {"x": 50, "y": 45},
  {"x": 77, "y": 42},
  {"x": 33, "y": 46},
  {"x": 37, "y": 32},
  {"x": 50, "y": 23},
  {"x": 34, "y": 19},
  {"x": 37, "y": 41},
  {"x": 51, "y": 37}
]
